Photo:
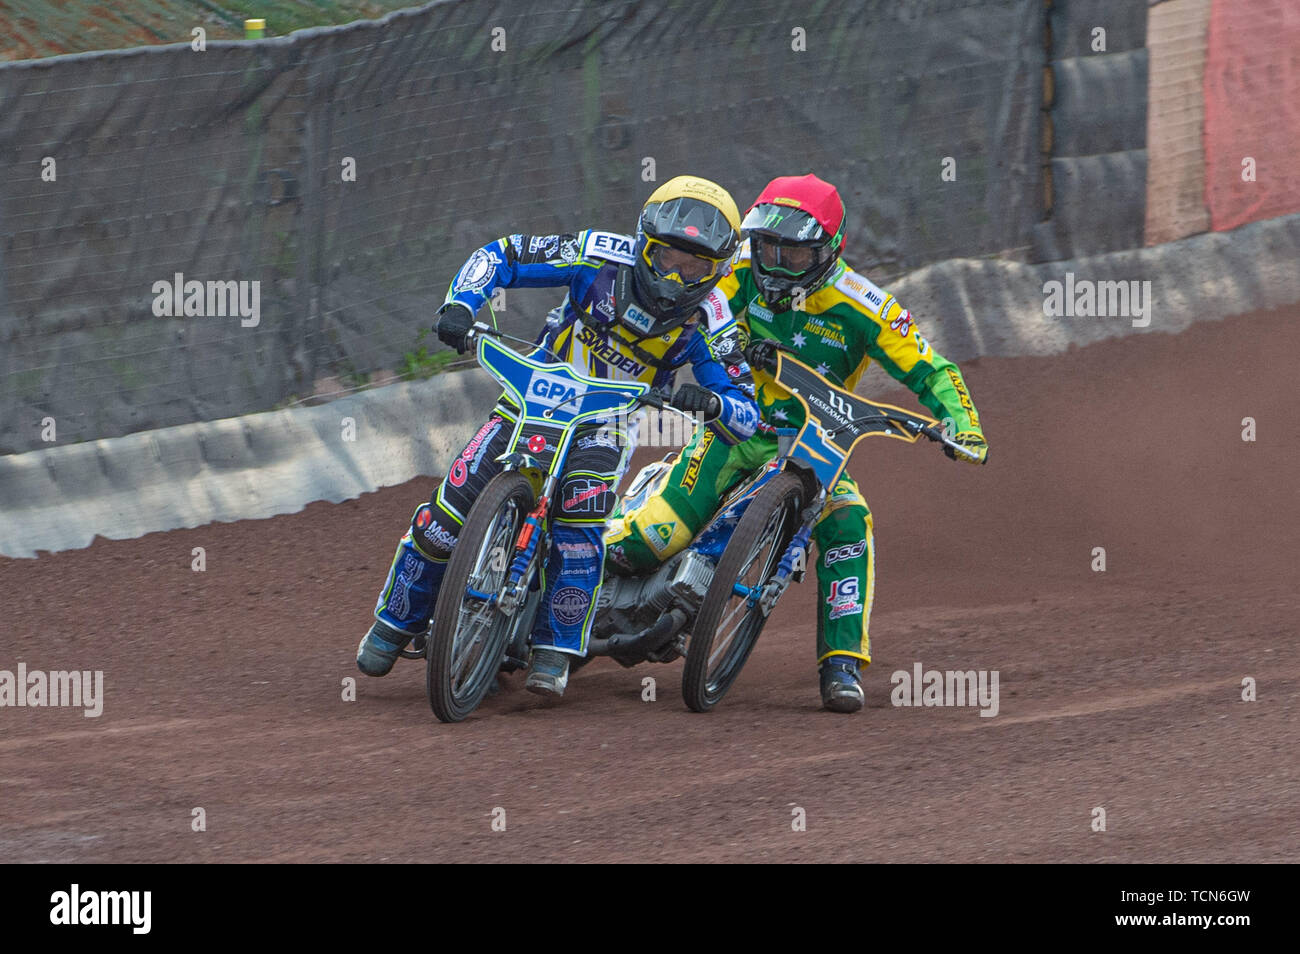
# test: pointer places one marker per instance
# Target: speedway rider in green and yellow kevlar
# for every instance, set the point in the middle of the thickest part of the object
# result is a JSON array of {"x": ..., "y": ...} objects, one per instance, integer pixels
[{"x": 789, "y": 284}]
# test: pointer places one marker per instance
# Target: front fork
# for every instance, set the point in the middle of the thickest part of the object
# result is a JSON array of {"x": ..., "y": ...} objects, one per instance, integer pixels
[
  {"x": 527, "y": 552},
  {"x": 794, "y": 560}
]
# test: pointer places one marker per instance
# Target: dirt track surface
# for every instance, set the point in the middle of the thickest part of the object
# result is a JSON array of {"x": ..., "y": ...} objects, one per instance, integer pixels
[{"x": 1119, "y": 689}]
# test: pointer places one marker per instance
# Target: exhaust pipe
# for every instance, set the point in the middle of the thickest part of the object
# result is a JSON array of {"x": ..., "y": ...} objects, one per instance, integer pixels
[{"x": 639, "y": 645}]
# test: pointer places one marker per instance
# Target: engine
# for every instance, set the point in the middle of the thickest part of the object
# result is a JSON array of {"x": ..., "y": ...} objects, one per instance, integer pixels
[{"x": 628, "y": 603}]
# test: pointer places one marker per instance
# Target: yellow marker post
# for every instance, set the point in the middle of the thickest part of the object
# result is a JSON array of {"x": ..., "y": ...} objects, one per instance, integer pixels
[{"x": 254, "y": 29}]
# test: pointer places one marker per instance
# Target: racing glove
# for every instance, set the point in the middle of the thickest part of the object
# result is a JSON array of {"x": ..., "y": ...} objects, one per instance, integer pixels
[
  {"x": 971, "y": 441},
  {"x": 692, "y": 397},
  {"x": 454, "y": 322},
  {"x": 761, "y": 353}
]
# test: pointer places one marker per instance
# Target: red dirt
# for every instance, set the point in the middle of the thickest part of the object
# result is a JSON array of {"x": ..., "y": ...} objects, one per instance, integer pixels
[{"x": 1120, "y": 689}]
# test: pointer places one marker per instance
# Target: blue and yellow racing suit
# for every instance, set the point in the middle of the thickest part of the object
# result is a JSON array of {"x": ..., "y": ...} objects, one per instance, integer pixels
[{"x": 592, "y": 330}]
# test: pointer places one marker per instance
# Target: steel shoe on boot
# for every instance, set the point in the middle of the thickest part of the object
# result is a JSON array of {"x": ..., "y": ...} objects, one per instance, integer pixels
[
  {"x": 841, "y": 684},
  {"x": 549, "y": 673},
  {"x": 379, "y": 649}
]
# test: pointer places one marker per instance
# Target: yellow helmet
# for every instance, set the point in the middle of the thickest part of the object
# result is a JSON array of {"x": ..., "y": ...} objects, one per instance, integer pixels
[{"x": 687, "y": 232}]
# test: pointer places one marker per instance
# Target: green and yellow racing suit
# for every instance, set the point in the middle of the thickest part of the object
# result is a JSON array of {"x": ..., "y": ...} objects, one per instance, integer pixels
[{"x": 844, "y": 325}]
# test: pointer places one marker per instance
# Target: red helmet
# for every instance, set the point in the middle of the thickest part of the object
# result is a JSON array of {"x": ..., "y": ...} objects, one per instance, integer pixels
[{"x": 796, "y": 232}]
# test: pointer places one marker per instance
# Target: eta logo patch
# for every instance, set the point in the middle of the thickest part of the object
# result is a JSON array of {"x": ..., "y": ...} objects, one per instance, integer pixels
[{"x": 610, "y": 245}]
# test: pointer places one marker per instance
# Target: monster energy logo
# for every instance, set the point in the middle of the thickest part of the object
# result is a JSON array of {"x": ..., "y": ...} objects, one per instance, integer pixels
[{"x": 773, "y": 220}]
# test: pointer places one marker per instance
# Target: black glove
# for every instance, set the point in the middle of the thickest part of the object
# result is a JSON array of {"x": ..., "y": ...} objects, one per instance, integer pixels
[
  {"x": 454, "y": 322},
  {"x": 761, "y": 353},
  {"x": 692, "y": 397}
]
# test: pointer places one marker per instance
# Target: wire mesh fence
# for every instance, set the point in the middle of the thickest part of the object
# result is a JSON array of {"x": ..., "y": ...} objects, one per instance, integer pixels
[{"x": 191, "y": 233}]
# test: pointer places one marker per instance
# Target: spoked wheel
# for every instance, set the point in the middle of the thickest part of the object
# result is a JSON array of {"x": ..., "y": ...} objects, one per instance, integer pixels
[
  {"x": 470, "y": 632},
  {"x": 730, "y": 618}
]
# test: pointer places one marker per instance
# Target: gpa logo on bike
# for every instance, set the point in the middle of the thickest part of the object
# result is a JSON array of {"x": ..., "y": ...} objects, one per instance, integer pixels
[
  {"x": 550, "y": 390},
  {"x": 569, "y": 605},
  {"x": 843, "y": 600}
]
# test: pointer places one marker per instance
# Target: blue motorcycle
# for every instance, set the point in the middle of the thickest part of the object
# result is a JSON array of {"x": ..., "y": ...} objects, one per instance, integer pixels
[
  {"x": 493, "y": 584},
  {"x": 759, "y": 540}
]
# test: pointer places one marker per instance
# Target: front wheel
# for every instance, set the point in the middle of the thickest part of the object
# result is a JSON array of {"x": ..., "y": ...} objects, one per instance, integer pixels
[
  {"x": 470, "y": 632},
  {"x": 730, "y": 618}
]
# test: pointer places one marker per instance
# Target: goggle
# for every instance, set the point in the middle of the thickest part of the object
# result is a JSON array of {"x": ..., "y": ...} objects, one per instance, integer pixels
[
  {"x": 791, "y": 261},
  {"x": 668, "y": 261}
]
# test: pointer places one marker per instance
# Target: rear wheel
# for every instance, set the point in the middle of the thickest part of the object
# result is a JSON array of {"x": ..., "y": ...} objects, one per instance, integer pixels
[
  {"x": 470, "y": 633},
  {"x": 730, "y": 619}
]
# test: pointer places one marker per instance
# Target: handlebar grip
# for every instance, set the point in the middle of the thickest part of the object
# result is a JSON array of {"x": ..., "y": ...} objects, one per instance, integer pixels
[{"x": 933, "y": 432}]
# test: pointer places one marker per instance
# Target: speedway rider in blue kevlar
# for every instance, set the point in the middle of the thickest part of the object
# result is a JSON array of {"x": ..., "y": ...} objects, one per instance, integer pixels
[{"x": 632, "y": 313}]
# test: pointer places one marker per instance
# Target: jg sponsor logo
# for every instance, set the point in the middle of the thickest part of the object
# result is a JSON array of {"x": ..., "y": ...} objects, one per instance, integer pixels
[
  {"x": 59, "y": 688},
  {"x": 179, "y": 298},
  {"x": 77, "y": 907},
  {"x": 933, "y": 687}
]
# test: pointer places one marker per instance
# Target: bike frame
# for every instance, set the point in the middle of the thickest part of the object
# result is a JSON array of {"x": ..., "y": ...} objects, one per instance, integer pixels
[
  {"x": 835, "y": 422},
  {"x": 554, "y": 400}
]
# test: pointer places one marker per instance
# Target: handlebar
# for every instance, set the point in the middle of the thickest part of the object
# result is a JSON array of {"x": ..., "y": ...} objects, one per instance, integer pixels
[
  {"x": 650, "y": 398},
  {"x": 936, "y": 434},
  {"x": 481, "y": 328},
  {"x": 932, "y": 431}
]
